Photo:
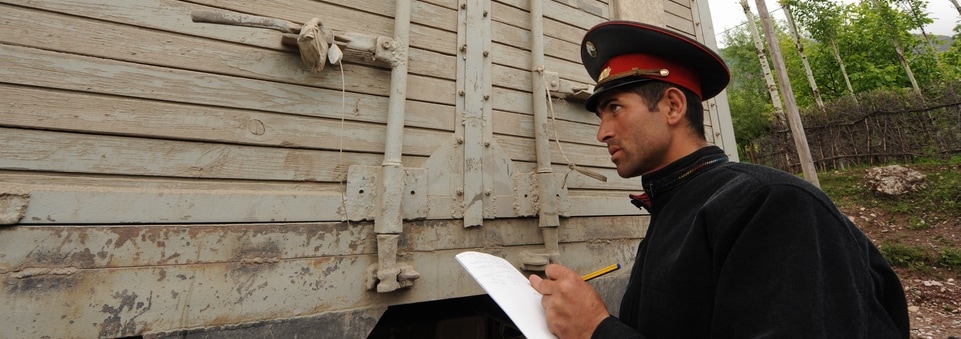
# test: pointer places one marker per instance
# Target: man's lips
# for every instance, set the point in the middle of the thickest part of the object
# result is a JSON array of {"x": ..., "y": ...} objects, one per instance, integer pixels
[{"x": 613, "y": 151}]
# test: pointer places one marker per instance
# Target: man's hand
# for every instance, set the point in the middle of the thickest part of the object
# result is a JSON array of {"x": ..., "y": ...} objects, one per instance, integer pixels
[{"x": 573, "y": 308}]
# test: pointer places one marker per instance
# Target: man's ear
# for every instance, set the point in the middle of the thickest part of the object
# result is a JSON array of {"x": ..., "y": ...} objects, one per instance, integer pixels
[{"x": 677, "y": 105}]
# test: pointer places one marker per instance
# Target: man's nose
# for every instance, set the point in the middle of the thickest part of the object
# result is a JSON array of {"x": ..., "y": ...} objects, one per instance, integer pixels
[{"x": 603, "y": 132}]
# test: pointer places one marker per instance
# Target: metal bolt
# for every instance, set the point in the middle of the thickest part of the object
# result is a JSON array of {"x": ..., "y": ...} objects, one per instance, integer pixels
[
  {"x": 460, "y": 139},
  {"x": 486, "y": 53},
  {"x": 463, "y": 48},
  {"x": 461, "y": 93},
  {"x": 463, "y": 6},
  {"x": 485, "y": 13},
  {"x": 460, "y": 191},
  {"x": 487, "y": 144},
  {"x": 487, "y": 193},
  {"x": 487, "y": 96}
]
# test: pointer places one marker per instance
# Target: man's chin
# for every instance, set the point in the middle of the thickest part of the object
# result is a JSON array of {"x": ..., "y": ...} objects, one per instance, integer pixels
[{"x": 626, "y": 173}]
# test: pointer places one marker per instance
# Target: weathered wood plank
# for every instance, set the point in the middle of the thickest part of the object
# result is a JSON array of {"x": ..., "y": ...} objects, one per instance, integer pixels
[
  {"x": 34, "y": 67},
  {"x": 39, "y": 109},
  {"x": 42, "y": 109},
  {"x": 103, "y": 302},
  {"x": 583, "y": 202},
  {"x": 596, "y": 8},
  {"x": 45, "y": 30},
  {"x": 74, "y": 199},
  {"x": 164, "y": 15},
  {"x": 513, "y": 36},
  {"x": 51, "y": 204},
  {"x": 520, "y": 59},
  {"x": 520, "y": 78},
  {"x": 582, "y": 14},
  {"x": 521, "y": 149},
  {"x": 174, "y": 244},
  {"x": 679, "y": 24},
  {"x": 568, "y": 132},
  {"x": 84, "y": 153},
  {"x": 521, "y": 102},
  {"x": 520, "y": 17},
  {"x": 174, "y": 16},
  {"x": 368, "y": 17}
]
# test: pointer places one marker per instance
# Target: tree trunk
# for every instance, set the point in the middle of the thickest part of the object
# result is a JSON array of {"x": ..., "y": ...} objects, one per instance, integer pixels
[
  {"x": 907, "y": 67},
  {"x": 765, "y": 66},
  {"x": 844, "y": 72},
  {"x": 927, "y": 38},
  {"x": 804, "y": 59},
  {"x": 900, "y": 52},
  {"x": 956, "y": 5}
]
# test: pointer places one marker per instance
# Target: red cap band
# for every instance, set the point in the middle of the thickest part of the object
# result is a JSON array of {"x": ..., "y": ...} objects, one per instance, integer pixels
[{"x": 651, "y": 67}]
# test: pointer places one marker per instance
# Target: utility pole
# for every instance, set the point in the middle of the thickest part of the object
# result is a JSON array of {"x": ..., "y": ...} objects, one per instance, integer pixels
[{"x": 793, "y": 116}]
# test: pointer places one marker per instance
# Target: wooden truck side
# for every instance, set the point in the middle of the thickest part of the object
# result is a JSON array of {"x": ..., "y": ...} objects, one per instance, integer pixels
[{"x": 161, "y": 177}]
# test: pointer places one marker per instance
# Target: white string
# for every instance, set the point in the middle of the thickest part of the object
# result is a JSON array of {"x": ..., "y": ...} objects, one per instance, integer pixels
[
  {"x": 570, "y": 164},
  {"x": 340, "y": 154}
]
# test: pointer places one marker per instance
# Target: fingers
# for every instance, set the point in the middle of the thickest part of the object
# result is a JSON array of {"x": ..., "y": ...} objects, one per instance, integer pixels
[
  {"x": 573, "y": 308},
  {"x": 536, "y": 283},
  {"x": 556, "y": 277},
  {"x": 558, "y": 272}
]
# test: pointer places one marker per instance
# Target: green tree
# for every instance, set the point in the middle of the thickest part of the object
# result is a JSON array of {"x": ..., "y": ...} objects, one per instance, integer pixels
[
  {"x": 751, "y": 107},
  {"x": 822, "y": 20}
]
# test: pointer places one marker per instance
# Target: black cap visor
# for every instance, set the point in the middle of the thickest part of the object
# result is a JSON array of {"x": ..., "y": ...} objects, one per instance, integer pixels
[{"x": 591, "y": 103}]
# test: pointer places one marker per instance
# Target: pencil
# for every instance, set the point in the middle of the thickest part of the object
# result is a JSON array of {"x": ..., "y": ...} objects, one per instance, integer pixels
[{"x": 600, "y": 272}]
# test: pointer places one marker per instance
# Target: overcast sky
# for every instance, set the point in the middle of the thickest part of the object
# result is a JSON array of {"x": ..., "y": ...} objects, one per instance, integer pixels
[{"x": 728, "y": 13}]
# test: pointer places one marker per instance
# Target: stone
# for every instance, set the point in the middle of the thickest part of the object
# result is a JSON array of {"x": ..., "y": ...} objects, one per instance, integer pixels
[{"x": 893, "y": 181}]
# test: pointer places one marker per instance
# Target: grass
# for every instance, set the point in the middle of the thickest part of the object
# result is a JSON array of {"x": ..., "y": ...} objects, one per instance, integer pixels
[
  {"x": 941, "y": 195},
  {"x": 910, "y": 256},
  {"x": 939, "y": 203}
]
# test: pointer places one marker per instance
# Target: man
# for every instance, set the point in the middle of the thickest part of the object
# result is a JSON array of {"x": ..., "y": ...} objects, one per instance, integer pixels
[{"x": 732, "y": 250}]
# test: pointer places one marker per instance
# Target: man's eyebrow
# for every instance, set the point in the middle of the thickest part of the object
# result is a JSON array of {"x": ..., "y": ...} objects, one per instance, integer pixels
[{"x": 604, "y": 102}]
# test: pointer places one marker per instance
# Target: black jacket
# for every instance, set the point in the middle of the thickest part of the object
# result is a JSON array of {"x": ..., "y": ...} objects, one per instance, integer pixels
[{"x": 743, "y": 251}]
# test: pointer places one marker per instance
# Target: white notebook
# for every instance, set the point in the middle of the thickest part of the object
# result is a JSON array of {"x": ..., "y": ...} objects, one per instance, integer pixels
[{"x": 510, "y": 290}]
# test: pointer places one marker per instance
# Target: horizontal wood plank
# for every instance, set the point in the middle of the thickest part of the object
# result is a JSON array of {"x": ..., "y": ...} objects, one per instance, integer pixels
[{"x": 264, "y": 288}]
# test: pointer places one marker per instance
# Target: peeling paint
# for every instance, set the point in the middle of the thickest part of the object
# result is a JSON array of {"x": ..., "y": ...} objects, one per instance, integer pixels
[
  {"x": 121, "y": 322},
  {"x": 35, "y": 282},
  {"x": 36, "y": 271},
  {"x": 13, "y": 207}
]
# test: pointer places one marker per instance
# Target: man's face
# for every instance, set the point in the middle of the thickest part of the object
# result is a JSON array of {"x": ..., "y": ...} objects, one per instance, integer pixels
[{"x": 636, "y": 137}]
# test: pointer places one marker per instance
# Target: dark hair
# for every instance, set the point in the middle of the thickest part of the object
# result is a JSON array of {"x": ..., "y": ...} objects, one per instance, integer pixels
[{"x": 653, "y": 91}]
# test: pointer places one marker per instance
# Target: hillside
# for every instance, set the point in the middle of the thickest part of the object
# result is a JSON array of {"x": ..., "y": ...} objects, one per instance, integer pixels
[{"x": 920, "y": 234}]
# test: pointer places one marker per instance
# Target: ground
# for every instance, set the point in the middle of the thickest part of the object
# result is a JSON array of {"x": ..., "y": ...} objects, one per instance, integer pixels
[
  {"x": 933, "y": 290},
  {"x": 934, "y": 296}
]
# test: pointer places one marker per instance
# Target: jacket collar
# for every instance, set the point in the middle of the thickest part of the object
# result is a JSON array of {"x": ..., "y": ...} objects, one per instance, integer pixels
[{"x": 661, "y": 183}]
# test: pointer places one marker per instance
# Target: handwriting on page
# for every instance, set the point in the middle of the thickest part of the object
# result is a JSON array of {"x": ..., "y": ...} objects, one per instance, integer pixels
[
  {"x": 497, "y": 272},
  {"x": 510, "y": 290}
]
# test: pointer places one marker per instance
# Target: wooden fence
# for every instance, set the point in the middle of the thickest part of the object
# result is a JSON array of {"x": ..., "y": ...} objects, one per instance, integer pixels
[{"x": 885, "y": 127}]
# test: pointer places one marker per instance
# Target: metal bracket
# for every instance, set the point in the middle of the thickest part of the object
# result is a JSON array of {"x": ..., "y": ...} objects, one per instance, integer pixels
[
  {"x": 553, "y": 81},
  {"x": 561, "y": 88},
  {"x": 526, "y": 195},
  {"x": 362, "y": 193},
  {"x": 388, "y": 275}
]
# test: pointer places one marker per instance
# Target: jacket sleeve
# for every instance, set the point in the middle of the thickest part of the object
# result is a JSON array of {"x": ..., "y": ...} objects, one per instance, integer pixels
[{"x": 612, "y": 328}]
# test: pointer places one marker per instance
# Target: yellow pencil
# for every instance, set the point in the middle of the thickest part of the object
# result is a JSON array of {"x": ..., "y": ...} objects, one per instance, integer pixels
[{"x": 601, "y": 272}]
